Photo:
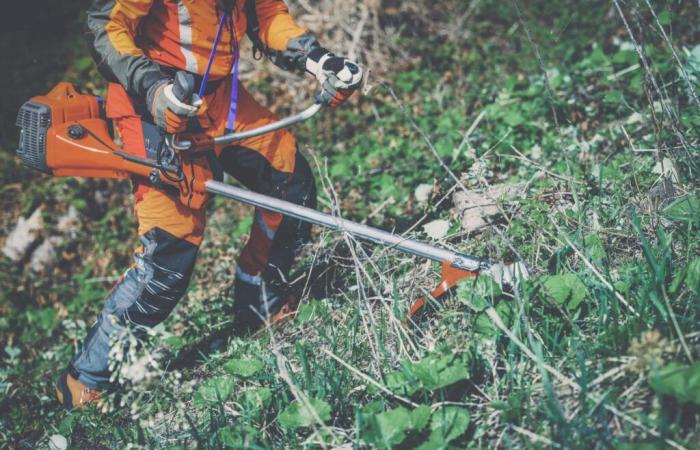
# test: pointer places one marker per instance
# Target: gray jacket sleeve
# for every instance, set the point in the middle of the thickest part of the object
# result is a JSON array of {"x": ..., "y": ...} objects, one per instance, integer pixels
[{"x": 111, "y": 34}]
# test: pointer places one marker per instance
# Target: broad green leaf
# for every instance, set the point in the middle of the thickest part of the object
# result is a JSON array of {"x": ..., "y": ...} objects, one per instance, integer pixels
[
  {"x": 213, "y": 390},
  {"x": 244, "y": 368},
  {"x": 598, "y": 56},
  {"x": 298, "y": 415},
  {"x": 595, "y": 247},
  {"x": 513, "y": 118},
  {"x": 83, "y": 64},
  {"x": 175, "y": 342},
  {"x": 642, "y": 446},
  {"x": 483, "y": 324},
  {"x": 389, "y": 429},
  {"x": 435, "y": 442},
  {"x": 397, "y": 383},
  {"x": 420, "y": 417},
  {"x": 438, "y": 371},
  {"x": 480, "y": 293},
  {"x": 692, "y": 277},
  {"x": 664, "y": 18},
  {"x": 238, "y": 436},
  {"x": 255, "y": 401},
  {"x": 679, "y": 381},
  {"x": 310, "y": 310},
  {"x": 450, "y": 423},
  {"x": 685, "y": 209},
  {"x": 567, "y": 289},
  {"x": 625, "y": 57},
  {"x": 373, "y": 408},
  {"x": 392, "y": 426}
]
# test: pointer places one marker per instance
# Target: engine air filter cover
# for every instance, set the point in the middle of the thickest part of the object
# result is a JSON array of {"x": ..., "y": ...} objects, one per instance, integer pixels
[{"x": 33, "y": 119}]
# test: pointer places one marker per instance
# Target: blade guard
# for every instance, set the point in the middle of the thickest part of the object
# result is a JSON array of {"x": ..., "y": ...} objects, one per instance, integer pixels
[{"x": 449, "y": 277}]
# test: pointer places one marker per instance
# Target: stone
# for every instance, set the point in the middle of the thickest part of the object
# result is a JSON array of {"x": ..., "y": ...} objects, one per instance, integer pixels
[
  {"x": 23, "y": 237},
  {"x": 475, "y": 208}
]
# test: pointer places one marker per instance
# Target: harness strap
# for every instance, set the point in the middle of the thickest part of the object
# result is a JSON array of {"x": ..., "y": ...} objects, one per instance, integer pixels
[
  {"x": 226, "y": 20},
  {"x": 212, "y": 54},
  {"x": 253, "y": 30},
  {"x": 234, "y": 82}
]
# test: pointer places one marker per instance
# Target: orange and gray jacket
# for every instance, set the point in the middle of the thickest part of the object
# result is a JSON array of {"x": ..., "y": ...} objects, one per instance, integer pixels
[{"x": 132, "y": 40}]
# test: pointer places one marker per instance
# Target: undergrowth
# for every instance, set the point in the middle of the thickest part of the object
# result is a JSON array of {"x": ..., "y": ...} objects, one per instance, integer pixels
[{"x": 597, "y": 349}]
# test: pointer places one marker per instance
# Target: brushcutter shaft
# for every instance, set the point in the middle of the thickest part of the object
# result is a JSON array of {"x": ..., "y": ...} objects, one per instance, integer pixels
[{"x": 457, "y": 260}]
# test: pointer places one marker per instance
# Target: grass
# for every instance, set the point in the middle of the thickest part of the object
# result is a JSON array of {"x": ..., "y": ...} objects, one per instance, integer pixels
[{"x": 597, "y": 349}]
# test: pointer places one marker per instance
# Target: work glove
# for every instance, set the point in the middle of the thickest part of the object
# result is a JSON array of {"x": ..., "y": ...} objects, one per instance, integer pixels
[
  {"x": 339, "y": 77},
  {"x": 166, "y": 102}
]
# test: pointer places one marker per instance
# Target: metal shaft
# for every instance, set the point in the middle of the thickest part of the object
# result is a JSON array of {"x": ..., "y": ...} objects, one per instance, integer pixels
[
  {"x": 184, "y": 145},
  {"x": 282, "y": 123},
  {"x": 365, "y": 232}
]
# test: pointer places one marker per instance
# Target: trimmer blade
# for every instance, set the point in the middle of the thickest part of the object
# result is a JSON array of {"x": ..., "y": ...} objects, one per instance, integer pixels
[{"x": 449, "y": 277}]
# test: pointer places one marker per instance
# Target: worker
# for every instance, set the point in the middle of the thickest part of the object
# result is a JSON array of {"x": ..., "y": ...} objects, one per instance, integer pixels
[{"x": 139, "y": 46}]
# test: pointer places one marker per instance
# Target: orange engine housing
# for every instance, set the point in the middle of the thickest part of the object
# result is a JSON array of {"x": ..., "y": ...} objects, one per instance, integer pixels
[{"x": 64, "y": 134}]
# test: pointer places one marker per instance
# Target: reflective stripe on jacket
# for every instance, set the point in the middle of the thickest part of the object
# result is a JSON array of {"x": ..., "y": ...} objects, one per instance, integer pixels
[{"x": 131, "y": 38}]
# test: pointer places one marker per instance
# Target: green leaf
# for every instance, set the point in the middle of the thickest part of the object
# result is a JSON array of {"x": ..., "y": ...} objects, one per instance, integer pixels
[
  {"x": 566, "y": 289},
  {"x": 298, "y": 415},
  {"x": 420, "y": 417},
  {"x": 310, "y": 310},
  {"x": 642, "y": 446},
  {"x": 595, "y": 247},
  {"x": 692, "y": 278},
  {"x": 83, "y": 64},
  {"x": 390, "y": 427},
  {"x": 513, "y": 118},
  {"x": 678, "y": 279},
  {"x": 175, "y": 342},
  {"x": 256, "y": 401},
  {"x": 679, "y": 381},
  {"x": 67, "y": 424},
  {"x": 397, "y": 383},
  {"x": 213, "y": 390},
  {"x": 244, "y": 368},
  {"x": 484, "y": 325},
  {"x": 664, "y": 18},
  {"x": 450, "y": 423},
  {"x": 625, "y": 57},
  {"x": 238, "y": 436},
  {"x": 438, "y": 371},
  {"x": 693, "y": 62},
  {"x": 480, "y": 293},
  {"x": 685, "y": 209}
]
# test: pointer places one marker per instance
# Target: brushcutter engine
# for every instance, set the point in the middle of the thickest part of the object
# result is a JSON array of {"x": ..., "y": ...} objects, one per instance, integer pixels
[
  {"x": 43, "y": 120},
  {"x": 64, "y": 133}
]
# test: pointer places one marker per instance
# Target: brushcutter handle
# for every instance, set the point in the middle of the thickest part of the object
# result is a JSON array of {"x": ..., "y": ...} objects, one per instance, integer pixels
[
  {"x": 199, "y": 144},
  {"x": 183, "y": 86}
]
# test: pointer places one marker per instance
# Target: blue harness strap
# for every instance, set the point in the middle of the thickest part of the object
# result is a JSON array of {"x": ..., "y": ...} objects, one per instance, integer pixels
[
  {"x": 226, "y": 19},
  {"x": 234, "y": 81}
]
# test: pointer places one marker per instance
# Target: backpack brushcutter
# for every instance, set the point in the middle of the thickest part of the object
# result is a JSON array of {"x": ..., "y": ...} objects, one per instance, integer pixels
[{"x": 65, "y": 133}]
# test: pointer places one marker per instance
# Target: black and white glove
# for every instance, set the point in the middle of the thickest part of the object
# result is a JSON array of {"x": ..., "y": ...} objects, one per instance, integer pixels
[
  {"x": 339, "y": 77},
  {"x": 172, "y": 102}
]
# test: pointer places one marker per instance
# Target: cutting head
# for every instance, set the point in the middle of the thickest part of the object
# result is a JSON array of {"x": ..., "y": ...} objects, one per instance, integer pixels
[{"x": 506, "y": 275}]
